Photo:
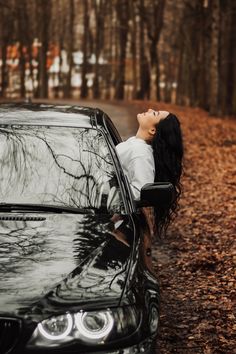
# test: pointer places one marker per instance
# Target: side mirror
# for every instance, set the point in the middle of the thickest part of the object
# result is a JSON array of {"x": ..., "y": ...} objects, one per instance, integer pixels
[{"x": 156, "y": 194}]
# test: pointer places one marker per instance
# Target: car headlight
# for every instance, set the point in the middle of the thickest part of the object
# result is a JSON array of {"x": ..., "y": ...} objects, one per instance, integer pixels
[
  {"x": 56, "y": 327},
  {"x": 93, "y": 327}
]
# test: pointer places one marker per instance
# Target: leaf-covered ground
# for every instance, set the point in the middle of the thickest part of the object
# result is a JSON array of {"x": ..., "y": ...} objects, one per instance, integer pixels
[{"x": 196, "y": 262}]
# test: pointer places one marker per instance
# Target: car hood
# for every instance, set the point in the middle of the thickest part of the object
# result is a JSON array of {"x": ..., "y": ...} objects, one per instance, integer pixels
[{"x": 57, "y": 260}]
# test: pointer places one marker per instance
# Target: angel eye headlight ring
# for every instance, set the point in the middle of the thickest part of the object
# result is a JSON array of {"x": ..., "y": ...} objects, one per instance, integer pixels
[
  {"x": 56, "y": 328},
  {"x": 95, "y": 325}
]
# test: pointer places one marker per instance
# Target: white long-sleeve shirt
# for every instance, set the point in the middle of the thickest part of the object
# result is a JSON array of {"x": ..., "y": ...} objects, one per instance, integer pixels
[{"x": 136, "y": 157}]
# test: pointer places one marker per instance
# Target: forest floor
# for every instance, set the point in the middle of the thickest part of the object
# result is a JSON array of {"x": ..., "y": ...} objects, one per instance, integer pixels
[{"x": 196, "y": 261}]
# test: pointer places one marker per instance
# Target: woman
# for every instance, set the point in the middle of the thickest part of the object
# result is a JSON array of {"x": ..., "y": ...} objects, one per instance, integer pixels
[{"x": 154, "y": 155}]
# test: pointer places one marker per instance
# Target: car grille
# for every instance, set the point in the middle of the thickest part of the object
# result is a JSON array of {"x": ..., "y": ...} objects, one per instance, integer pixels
[
  {"x": 9, "y": 334},
  {"x": 21, "y": 218}
]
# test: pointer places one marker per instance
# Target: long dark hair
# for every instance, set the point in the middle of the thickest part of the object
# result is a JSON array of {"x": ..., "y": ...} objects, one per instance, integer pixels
[{"x": 167, "y": 147}]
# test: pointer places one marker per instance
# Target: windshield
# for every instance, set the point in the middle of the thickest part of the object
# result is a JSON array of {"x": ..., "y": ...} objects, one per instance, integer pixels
[{"x": 58, "y": 166}]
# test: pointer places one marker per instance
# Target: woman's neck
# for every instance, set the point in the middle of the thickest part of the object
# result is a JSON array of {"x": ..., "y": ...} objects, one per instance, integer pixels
[{"x": 143, "y": 134}]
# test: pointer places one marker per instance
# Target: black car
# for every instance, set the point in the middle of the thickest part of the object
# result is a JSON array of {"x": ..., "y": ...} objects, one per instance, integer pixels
[{"x": 73, "y": 275}]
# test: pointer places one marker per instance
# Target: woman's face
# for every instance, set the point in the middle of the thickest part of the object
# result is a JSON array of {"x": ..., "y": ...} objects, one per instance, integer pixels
[{"x": 150, "y": 118}]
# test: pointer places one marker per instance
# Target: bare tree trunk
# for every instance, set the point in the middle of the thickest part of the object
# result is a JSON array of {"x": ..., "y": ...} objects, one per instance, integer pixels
[
  {"x": 202, "y": 58},
  {"x": 232, "y": 109},
  {"x": 84, "y": 89},
  {"x": 97, "y": 49},
  {"x": 6, "y": 21},
  {"x": 224, "y": 57},
  {"x": 61, "y": 41},
  {"x": 45, "y": 6},
  {"x": 4, "y": 75},
  {"x": 193, "y": 62},
  {"x": 167, "y": 91},
  {"x": 116, "y": 52},
  {"x": 214, "y": 73},
  {"x": 110, "y": 67},
  {"x": 67, "y": 92},
  {"x": 231, "y": 82},
  {"x": 123, "y": 17},
  {"x": 144, "y": 73},
  {"x": 179, "y": 92},
  {"x": 133, "y": 46},
  {"x": 22, "y": 71},
  {"x": 152, "y": 15},
  {"x": 100, "y": 13},
  {"x": 21, "y": 32},
  {"x": 24, "y": 36}
]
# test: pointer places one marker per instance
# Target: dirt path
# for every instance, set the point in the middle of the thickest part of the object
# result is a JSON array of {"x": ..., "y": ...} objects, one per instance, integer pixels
[{"x": 121, "y": 114}]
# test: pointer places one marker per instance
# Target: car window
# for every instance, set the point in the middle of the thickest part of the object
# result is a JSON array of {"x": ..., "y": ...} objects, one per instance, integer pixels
[{"x": 59, "y": 166}]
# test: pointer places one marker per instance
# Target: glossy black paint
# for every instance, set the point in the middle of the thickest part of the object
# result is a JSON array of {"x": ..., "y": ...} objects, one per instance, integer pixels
[{"x": 52, "y": 263}]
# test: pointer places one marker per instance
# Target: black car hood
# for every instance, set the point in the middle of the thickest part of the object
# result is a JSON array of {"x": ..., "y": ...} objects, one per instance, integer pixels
[{"x": 62, "y": 260}]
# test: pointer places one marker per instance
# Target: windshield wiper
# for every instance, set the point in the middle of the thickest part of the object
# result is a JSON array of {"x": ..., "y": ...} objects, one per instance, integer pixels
[{"x": 8, "y": 207}]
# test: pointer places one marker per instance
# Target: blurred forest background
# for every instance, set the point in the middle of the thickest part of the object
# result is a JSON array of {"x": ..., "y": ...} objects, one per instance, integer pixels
[
  {"x": 181, "y": 51},
  {"x": 175, "y": 55}
]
